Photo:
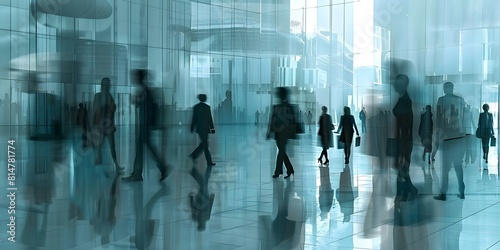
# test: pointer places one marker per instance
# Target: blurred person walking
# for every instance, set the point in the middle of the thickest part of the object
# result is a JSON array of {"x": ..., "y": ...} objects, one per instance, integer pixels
[
  {"x": 202, "y": 121},
  {"x": 405, "y": 190},
  {"x": 451, "y": 135},
  {"x": 283, "y": 124},
  {"x": 425, "y": 131},
  {"x": 325, "y": 133},
  {"x": 104, "y": 109},
  {"x": 144, "y": 100},
  {"x": 485, "y": 129},
  {"x": 362, "y": 117},
  {"x": 347, "y": 123}
]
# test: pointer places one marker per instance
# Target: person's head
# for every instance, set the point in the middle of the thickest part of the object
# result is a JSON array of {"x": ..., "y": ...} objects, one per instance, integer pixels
[
  {"x": 202, "y": 97},
  {"x": 428, "y": 108},
  {"x": 80, "y": 105},
  {"x": 486, "y": 107},
  {"x": 448, "y": 88},
  {"x": 347, "y": 111},
  {"x": 139, "y": 76},
  {"x": 282, "y": 93},
  {"x": 324, "y": 109},
  {"x": 105, "y": 84},
  {"x": 363, "y": 108},
  {"x": 401, "y": 83}
]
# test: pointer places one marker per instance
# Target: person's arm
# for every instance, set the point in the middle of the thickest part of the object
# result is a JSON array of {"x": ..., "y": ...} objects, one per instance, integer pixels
[
  {"x": 421, "y": 125},
  {"x": 354, "y": 123},
  {"x": 113, "y": 104},
  {"x": 439, "y": 114},
  {"x": 193, "y": 121},
  {"x": 269, "y": 128},
  {"x": 332, "y": 127},
  {"x": 210, "y": 121},
  {"x": 95, "y": 107},
  {"x": 491, "y": 124},
  {"x": 341, "y": 124}
]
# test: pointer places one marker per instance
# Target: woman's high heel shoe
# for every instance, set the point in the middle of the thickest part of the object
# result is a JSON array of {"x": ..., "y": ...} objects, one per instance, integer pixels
[
  {"x": 288, "y": 175},
  {"x": 276, "y": 176},
  {"x": 320, "y": 161},
  {"x": 327, "y": 162}
]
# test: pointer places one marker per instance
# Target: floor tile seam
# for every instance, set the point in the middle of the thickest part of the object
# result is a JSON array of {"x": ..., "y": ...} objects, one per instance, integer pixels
[
  {"x": 463, "y": 218},
  {"x": 498, "y": 242}
]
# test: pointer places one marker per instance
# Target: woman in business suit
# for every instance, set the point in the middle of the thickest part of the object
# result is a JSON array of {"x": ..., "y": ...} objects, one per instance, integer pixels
[
  {"x": 347, "y": 123},
  {"x": 283, "y": 125},
  {"x": 325, "y": 133},
  {"x": 485, "y": 126}
]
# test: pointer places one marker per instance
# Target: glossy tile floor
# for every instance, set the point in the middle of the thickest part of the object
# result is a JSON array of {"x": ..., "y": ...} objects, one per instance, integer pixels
[{"x": 64, "y": 201}]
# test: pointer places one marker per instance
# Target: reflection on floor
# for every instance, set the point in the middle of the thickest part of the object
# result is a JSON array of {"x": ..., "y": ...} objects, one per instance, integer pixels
[{"x": 64, "y": 201}]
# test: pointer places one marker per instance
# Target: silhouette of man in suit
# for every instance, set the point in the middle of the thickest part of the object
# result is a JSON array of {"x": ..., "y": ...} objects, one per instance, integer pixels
[
  {"x": 451, "y": 133},
  {"x": 146, "y": 121},
  {"x": 362, "y": 117},
  {"x": 202, "y": 121},
  {"x": 283, "y": 124}
]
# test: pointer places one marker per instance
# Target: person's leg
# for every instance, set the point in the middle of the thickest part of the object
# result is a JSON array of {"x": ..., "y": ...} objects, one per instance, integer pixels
[
  {"x": 459, "y": 151},
  {"x": 321, "y": 155},
  {"x": 139, "y": 157},
  {"x": 345, "y": 152},
  {"x": 485, "y": 141},
  {"x": 157, "y": 157},
  {"x": 112, "y": 148},
  {"x": 197, "y": 151},
  {"x": 429, "y": 150},
  {"x": 487, "y": 147},
  {"x": 98, "y": 150},
  {"x": 288, "y": 164},
  {"x": 434, "y": 150},
  {"x": 473, "y": 146},
  {"x": 279, "y": 158},
  {"x": 348, "y": 151},
  {"x": 204, "y": 142},
  {"x": 326, "y": 153},
  {"x": 447, "y": 162}
]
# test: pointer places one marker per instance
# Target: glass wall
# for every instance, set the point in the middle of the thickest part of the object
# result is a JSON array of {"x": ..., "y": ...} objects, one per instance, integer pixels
[{"x": 330, "y": 52}]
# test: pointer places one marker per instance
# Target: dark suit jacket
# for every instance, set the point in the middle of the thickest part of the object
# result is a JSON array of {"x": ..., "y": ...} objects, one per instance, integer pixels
[
  {"x": 425, "y": 129},
  {"x": 325, "y": 124},
  {"x": 347, "y": 125},
  {"x": 283, "y": 122},
  {"x": 202, "y": 119},
  {"x": 404, "y": 117},
  {"x": 485, "y": 125},
  {"x": 362, "y": 115}
]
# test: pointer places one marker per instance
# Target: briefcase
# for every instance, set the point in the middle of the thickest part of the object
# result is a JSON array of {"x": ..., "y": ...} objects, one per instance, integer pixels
[
  {"x": 493, "y": 142},
  {"x": 358, "y": 141},
  {"x": 340, "y": 145}
]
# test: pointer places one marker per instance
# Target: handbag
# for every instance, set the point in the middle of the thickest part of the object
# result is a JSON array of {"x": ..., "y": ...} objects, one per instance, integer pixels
[
  {"x": 493, "y": 142},
  {"x": 478, "y": 133},
  {"x": 392, "y": 147},
  {"x": 358, "y": 141}
]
